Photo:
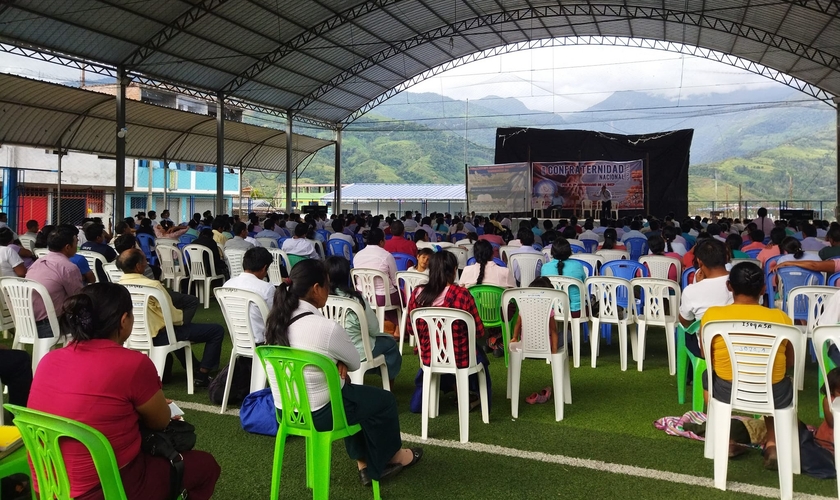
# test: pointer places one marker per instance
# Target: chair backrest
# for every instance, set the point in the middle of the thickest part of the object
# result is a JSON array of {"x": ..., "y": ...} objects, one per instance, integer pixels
[
  {"x": 19, "y": 294},
  {"x": 186, "y": 238},
  {"x": 833, "y": 279},
  {"x": 659, "y": 266},
  {"x": 792, "y": 277},
  {"x": 341, "y": 248},
  {"x": 535, "y": 307},
  {"x": 365, "y": 282},
  {"x": 285, "y": 367},
  {"x": 41, "y": 252},
  {"x": 281, "y": 260},
  {"x": 236, "y": 305},
  {"x": 457, "y": 237},
  {"x": 752, "y": 347},
  {"x": 97, "y": 262},
  {"x": 146, "y": 242},
  {"x": 234, "y": 259},
  {"x": 807, "y": 303},
  {"x": 195, "y": 255},
  {"x": 504, "y": 252},
  {"x": 594, "y": 260},
  {"x": 141, "y": 334},
  {"x": 43, "y": 434},
  {"x": 688, "y": 276},
  {"x": 654, "y": 293},
  {"x": 337, "y": 308},
  {"x": 360, "y": 241},
  {"x": 404, "y": 260},
  {"x": 607, "y": 255},
  {"x": 28, "y": 242},
  {"x": 610, "y": 293},
  {"x": 735, "y": 262},
  {"x": 529, "y": 265},
  {"x": 440, "y": 321},
  {"x": 267, "y": 242},
  {"x": 564, "y": 283},
  {"x": 171, "y": 262},
  {"x": 637, "y": 247},
  {"x": 319, "y": 247},
  {"x": 821, "y": 335},
  {"x": 753, "y": 253},
  {"x": 410, "y": 280},
  {"x": 460, "y": 254},
  {"x": 114, "y": 273},
  {"x": 323, "y": 234},
  {"x": 770, "y": 279},
  {"x": 627, "y": 269},
  {"x": 591, "y": 246},
  {"x": 488, "y": 301}
]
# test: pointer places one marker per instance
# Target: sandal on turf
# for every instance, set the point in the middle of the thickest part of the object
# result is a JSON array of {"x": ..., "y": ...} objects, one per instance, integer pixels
[
  {"x": 545, "y": 395},
  {"x": 532, "y": 399}
]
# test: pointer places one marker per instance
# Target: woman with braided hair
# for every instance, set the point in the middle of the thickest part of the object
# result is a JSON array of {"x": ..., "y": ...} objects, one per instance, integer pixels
[
  {"x": 562, "y": 265},
  {"x": 746, "y": 282},
  {"x": 485, "y": 271}
]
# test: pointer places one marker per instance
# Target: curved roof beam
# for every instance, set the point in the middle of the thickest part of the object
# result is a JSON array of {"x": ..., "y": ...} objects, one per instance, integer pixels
[
  {"x": 80, "y": 120},
  {"x": 596, "y": 11},
  {"x": 713, "y": 55}
]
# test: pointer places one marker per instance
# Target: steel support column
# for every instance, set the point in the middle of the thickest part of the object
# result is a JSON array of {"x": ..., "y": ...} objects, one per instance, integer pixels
[
  {"x": 289, "y": 161},
  {"x": 837, "y": 166},
  {"x": 336, "y": 208},
  {"x": 119, "y": 188},
  {"x": 220, "y": 154}
]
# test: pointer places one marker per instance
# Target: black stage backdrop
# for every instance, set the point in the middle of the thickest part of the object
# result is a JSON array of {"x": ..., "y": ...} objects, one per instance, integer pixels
[{"x": 666, "y": 156}]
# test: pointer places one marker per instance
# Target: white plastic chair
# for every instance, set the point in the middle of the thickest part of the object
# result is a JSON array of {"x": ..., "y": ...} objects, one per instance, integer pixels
[
  {"x": 576, "y": 243},
  {"x": 752, "y": 347},
  {"x": 593, "y": 260},
  {"x": 563, "y": 283},
  {"x": 267, "y": 242},
  {"x": 236, "y": 306},
  {"x": 528, "y": 265},
  {"x": 425, "y": 244},
  {"x": 614, "y": 210},
  {"x": 735, "y": 262},
  {"x": 461, "y": 254},
  {"x": 535, "y": 307},
  {"x": 660, "y": 266},
  {"x": 442, "y": 361},
  {"x": 40, "y": 252},
  {"x": 504, "y": 252},
  {"x": 200, "y": 275},
  {"x": 18, "y": 294},
  {"x": 813, "y": 299},
  {"x": 410, "y": 281},
  {"x": 336, "y": 309},
  {"x": 586, "y": 208},
  {"x": 6, "y": 320},
  {"x": 234, "y": 260},
  {"x": 823, "y": 334},
  {"x": 172, "y": 266},
  {"x": 28, "y": 242},
  {"x": 95, "y": 260},
  {"x": 281, "y": 261},
  {"x": 114, "y": 273},
  {"x": 606, "y": 290},
  {"x": 654, "y": 293},
  {"x": 365, "y": 282},
  {"x": 319, "y": 248},
  {"x": 141, "y": 338},
  {"x": 609, "y": 255}
]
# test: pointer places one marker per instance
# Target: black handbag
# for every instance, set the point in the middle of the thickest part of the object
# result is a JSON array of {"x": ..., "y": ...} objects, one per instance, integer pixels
[{"x": 177, "y": 437}]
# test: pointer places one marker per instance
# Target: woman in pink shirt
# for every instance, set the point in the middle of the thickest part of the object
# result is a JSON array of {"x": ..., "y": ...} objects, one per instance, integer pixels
[
  {"x": 485, "y": 271},
  {"x": 97, "y": 381}
]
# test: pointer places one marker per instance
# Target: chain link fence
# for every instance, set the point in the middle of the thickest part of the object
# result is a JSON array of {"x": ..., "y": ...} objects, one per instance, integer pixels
[
  {"x": 46, "y": 206},
  {"x": 823, "y": 209}
]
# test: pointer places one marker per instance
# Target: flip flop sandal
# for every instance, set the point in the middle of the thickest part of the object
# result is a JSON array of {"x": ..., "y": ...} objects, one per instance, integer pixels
[
  {"x": 545, "y": 395},
  {"x": 532, "y": 399}
]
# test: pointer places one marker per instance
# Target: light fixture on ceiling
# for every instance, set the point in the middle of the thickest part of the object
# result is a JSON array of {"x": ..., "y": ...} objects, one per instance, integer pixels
[{"x": 451, "y": 42}]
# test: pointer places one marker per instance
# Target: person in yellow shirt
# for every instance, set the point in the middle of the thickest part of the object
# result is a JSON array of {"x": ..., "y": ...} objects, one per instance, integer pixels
[{"x": 746, "y": 282}]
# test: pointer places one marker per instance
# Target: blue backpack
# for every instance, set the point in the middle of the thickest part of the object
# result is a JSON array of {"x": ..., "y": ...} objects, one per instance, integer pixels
[{"x": 258, "y": 413}]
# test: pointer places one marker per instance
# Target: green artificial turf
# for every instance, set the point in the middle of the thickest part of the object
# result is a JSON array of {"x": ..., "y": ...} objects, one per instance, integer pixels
[{"x": 610, "y": 419}]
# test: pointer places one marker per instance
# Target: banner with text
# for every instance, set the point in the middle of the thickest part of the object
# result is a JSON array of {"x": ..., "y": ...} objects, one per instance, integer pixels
[
  {"x": 501, "y": 188},
  {"x": 566, "y": 183}
]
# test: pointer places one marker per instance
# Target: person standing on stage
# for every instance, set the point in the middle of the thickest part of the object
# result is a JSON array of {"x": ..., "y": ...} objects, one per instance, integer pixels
[{"x": 606, "y": 201}]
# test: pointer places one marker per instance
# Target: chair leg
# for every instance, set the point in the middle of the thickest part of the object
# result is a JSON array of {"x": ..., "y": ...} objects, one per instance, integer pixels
[
  {"x": 426, "y": 405},
  {"x": 669, "y": 343},
  {"x": 190, "y": 383},
  {"x": 697, "y": 402},
  {"x": 514, "y": 378},
  {"x": 279, "y": 447},
  {"x": 376, "y": 495},
  {"x": 682, "y": 368},
  {"x": 567, "y": 390},
  {"x": 576, "y": 341},
  {"x": 784, "y": 447},
  {"x": 321, "y": 457},
  {"x": 594, "y": 340},
  {"x": 559, "y": 385},
  {"x": 638, "y": 339},
  {"x": 229, "y": 380},
  {"x": 622, "y": 344},
  {"x": 719, "y": 423},
  {"x": 386, "y": 380},
  {"x": 462, "y": 386},
  {"x": 258, "y": 379},
  {"x": 483, "y": 395}
]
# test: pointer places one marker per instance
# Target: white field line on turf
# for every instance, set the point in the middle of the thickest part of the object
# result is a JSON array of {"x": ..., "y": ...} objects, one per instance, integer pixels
[{"x": 583, "y": 463}]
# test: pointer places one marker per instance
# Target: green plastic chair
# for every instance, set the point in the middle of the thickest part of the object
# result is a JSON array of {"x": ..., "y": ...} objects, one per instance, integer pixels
[
  {"x": 698, "y": 364},
  {"x": 488, "y": 301},
  {"x": 15, "y": 463},
  {"x": 41, "y": 432},
  {"x": 296, "y": 418},
  {"x": 294, "y": 259}
]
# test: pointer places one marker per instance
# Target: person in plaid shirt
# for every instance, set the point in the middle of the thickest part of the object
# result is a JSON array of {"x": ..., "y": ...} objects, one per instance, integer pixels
[{"x": 441, "y": 291}]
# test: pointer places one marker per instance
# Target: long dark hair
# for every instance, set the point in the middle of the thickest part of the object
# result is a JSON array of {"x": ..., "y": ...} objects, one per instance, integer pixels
[
  {"x": 303, "y": 277},
  {"x": 338, "y": 269},
  {"x": 561, "y": 250},
  {"x": 420, "y": 235},
  {"x": 483, "y": 253},
  {"x": 610, "y": 238},
  {"x": 442, "y": 266},
  {"x": 669, "y": 234},
  {"x": 43, "y": 234},
  {"x": 95, "y": 312},
  {"x": 791, "y": 245}
]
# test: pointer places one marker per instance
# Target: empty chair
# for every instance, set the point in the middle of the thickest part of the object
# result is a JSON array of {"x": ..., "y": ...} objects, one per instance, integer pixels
[
  {"x": 608, "y": 255},
  {"x": 186, "y": 239},
  {"x": 141, "y": 334},
  {"x": 18, "y": 294},
  {"x": 752, "y": 350},
  {"x": 279, "y": 266},
  {"x": 439, "y": 321},
  {"x": 236, "y": 305},
  {"x": 792, "y": 277},
  {"x": 202, "y": 276},
  {"x": 365, "y": 282},
  {"x": 660, "y": 302},
  {"x": 572, "y": 286},
  {"x": 660, "y": 266},
  {"x": 173, "y": 270},
  {"x": 536, "y": 307},
  {"x": 504, "y": 252},
  {"x": 626, "y": 269},
  {"x": 608, "y": 292},
  {"x": 337, "y": 309}
]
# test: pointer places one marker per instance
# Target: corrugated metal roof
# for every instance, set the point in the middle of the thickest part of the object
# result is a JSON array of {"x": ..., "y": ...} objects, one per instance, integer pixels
[
  {"x": 310, "y": 56},
  {"x": 404, "y": 192},
  {"x": 42, "y": 114}
]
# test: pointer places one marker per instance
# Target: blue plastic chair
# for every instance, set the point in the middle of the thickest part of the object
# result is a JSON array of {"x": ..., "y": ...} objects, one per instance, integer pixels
[
  {"x": 626, "y": 269},
  {"x": 792, "y": 277},
  {"x": 404, "y": 261},
  {"x": 637, "y": 247},
  {"x": 753, "y": 253},
  {"x": 340, "y": 248},
  {"x": 252, "y": 234},
  {"x": 588, "y": 268},
  {"x": 537, "y": 247},
  {"x": 499, "y": 262},
  {"x": 833, "y": 279},
  {"x": 408, "y": 236},
  {"x": 322, "y": 234},
  {"x": 146, "y": 243},
  {"x": 457, "y": 237},
  {"x": 280, "y": 241},
  {"x": 687, "y": 276},
  {"x": 770, "y": 282},
  {"x": 186, "y": 239},
  {"x": 577, "y": 249},
  {"x": 360, "y": 241},
  {"x": 479, "y": 231},
  {"x": 591, "y": 246}
]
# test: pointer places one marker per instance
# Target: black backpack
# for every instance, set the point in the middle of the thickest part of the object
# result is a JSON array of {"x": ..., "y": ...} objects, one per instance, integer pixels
[{"x": 240, "y": 385}]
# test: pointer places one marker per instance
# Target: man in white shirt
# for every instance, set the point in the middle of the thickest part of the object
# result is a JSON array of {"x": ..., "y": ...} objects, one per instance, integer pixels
[
  {"x": 588, "y": 231},
  {"x": 238, "y": 242},
  {"x": 526, "y": 239},
  {"x": 374, "y": 256},
  {"x": 268, "y": 230},
  {"x": 634, "y": 232},
  {"x": 810, "y": 242},
  {"x": 153, "y": 218},
  {"x": 709, "y": 287},
  {"x": 409, "y": 222},
  {"x": 255, "y": 264},
  {"x": 338, "y": 233},
  {"x": 299, "y": 245}
]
